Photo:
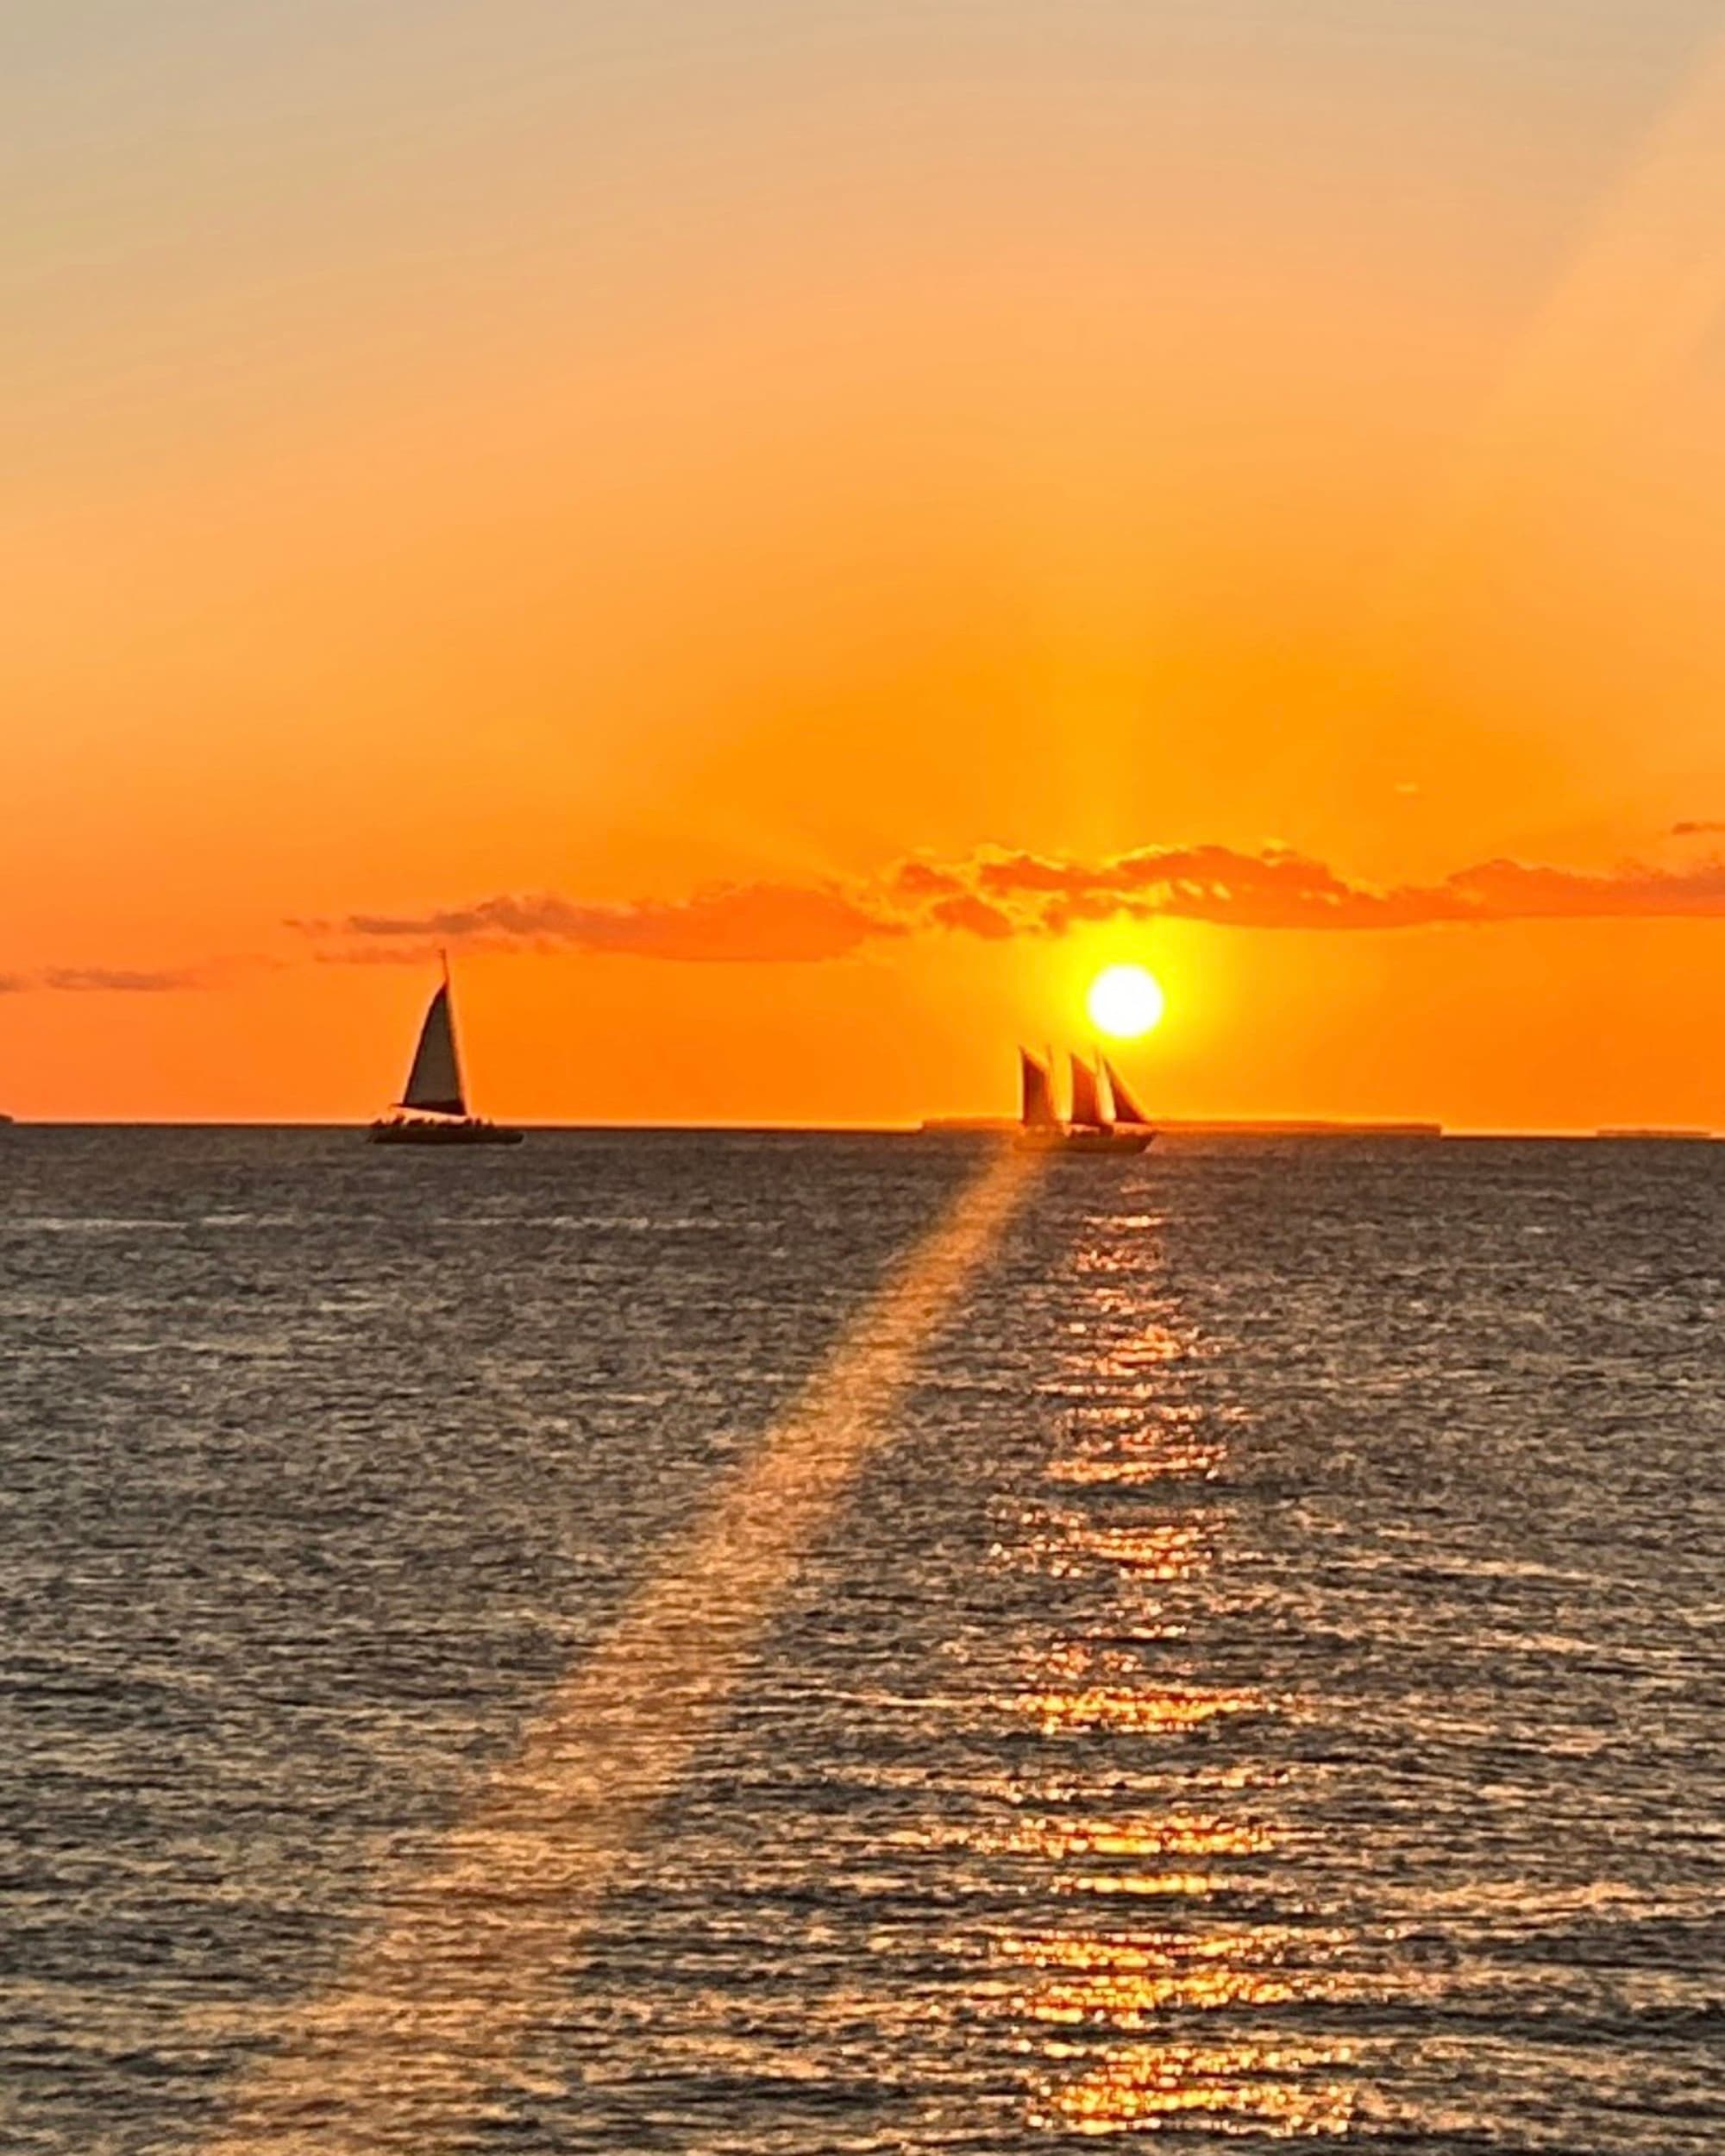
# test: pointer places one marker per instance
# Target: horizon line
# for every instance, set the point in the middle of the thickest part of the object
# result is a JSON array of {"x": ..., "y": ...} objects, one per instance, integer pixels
[{"x": 1408, "y": 1130}]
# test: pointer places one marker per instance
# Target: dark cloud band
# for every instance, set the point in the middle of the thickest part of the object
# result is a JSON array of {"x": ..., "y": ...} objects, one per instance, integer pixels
[{"x": 992, "y": 895}]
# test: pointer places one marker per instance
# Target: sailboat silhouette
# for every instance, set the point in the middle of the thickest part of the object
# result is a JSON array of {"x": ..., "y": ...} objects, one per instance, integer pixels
[
  {"x": 433, "y": 1107},
  {"x": 1105, "y": 1117}
]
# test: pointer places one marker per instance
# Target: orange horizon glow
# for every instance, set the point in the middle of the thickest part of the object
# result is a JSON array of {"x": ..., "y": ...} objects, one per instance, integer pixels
[{"x": 794, "y": 549}]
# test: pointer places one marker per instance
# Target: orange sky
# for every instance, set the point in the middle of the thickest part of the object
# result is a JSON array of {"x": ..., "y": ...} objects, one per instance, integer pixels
[{"x": 607, "y": 489}]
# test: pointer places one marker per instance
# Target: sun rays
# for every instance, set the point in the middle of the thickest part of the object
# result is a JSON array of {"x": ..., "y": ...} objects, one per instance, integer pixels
[{"x": 430, "y": 2018}]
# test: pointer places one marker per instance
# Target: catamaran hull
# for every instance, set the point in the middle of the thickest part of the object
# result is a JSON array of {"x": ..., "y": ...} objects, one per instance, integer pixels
[
  {"x": 404, "y": 1131},
  {"x": 1064, "y": 1141}
]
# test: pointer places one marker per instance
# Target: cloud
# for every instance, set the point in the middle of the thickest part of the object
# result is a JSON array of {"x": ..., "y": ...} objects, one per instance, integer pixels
[
  {"x": 104, "y": 980},
  {"x": 992, "y": 895},
  {"x": 924, "y": 879},
  {"x": 1701, "y": 830},
  {"x": 734, "y": 923},
  {"x": 1277, "y": 888},
  {"x": 1272, "y": 888},
  {"x": 97, "y": 980},
  {"x": 973, "y": 917}
]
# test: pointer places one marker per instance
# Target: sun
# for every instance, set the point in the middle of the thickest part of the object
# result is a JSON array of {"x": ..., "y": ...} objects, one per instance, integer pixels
[{"x": 1124, "y": 1002}]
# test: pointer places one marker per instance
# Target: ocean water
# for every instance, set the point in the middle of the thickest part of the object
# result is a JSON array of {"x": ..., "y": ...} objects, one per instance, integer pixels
[{"x": 1260, "y": 1672}]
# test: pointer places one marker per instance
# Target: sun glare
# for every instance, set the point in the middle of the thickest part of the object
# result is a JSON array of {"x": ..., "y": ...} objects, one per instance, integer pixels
[{"x": 1124, "y": 1002}]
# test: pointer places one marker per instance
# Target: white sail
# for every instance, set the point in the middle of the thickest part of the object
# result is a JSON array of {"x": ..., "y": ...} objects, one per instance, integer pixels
[{"x": 434, "y": 1084}]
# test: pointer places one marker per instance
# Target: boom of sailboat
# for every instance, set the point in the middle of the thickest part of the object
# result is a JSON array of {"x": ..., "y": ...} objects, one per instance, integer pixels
[
  {"x": 1105, "y": 1116},
  {"x": 433, "y": 1108}
]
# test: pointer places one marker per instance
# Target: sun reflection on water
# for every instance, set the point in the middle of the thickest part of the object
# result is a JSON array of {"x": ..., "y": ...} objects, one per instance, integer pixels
[
  {"x": 1130, "y": 1531},
  {"x": 1060, "y": 1840},
  {"x": 1126, "y": 1976},
  {"x": 1129, "y": 1711},
  {"x": 1161, "y": 1462},
  {"x": 1279, "y": 2090}
]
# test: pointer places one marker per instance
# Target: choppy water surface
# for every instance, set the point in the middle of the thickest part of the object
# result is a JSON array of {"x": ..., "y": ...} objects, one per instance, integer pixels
[{"x": 1264, "y": 1680}]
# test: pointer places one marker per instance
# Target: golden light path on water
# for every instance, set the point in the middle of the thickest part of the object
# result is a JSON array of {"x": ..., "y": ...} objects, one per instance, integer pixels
[
  {"x": 1113, "y": 1992},
  {"x": 423, "y": 2026}
]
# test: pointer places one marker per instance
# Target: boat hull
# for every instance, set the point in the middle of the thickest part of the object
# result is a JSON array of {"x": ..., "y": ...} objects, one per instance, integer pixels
[
  {"x": 1115, "y": 1141},
  {"x": 413, "y": 1130}
]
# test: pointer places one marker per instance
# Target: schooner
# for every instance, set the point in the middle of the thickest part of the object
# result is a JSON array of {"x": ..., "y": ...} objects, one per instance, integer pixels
[{"x": 1105, "y": 1117}]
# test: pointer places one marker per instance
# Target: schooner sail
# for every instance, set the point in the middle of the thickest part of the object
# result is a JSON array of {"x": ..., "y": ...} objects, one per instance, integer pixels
[
  {"x": 1087, "y": 1105},
  {"x": 433, "y": 1107},
  {"x": 1127, "y": 1108},
  {"x": 1037, "y": 1092},
  {"x": 1091, "y": 1128}
]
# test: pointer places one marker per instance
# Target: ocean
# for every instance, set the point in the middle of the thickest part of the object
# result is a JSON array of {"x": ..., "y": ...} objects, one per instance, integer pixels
[{"x": 736, "y": 1643}]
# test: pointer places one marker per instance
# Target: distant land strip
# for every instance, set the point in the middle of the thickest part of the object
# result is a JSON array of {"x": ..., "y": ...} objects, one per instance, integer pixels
[{"x": 1188, "y": 1127}]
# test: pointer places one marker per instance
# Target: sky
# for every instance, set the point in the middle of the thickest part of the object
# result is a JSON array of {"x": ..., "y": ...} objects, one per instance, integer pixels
[{"x": 785, "y": 534}]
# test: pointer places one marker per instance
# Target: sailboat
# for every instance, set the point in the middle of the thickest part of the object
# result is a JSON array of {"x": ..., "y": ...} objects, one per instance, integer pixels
[
  {"x": 433, "y": 1107},
  {"x": 1105, "y": 1117}
]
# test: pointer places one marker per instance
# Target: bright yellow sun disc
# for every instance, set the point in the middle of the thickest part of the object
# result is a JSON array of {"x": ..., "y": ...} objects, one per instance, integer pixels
[{"x": 1124, "y": 1002}]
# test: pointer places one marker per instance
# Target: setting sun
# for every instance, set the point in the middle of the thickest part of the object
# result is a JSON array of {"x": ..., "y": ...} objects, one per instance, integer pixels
[{"x": 1124, "y": 1002}]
